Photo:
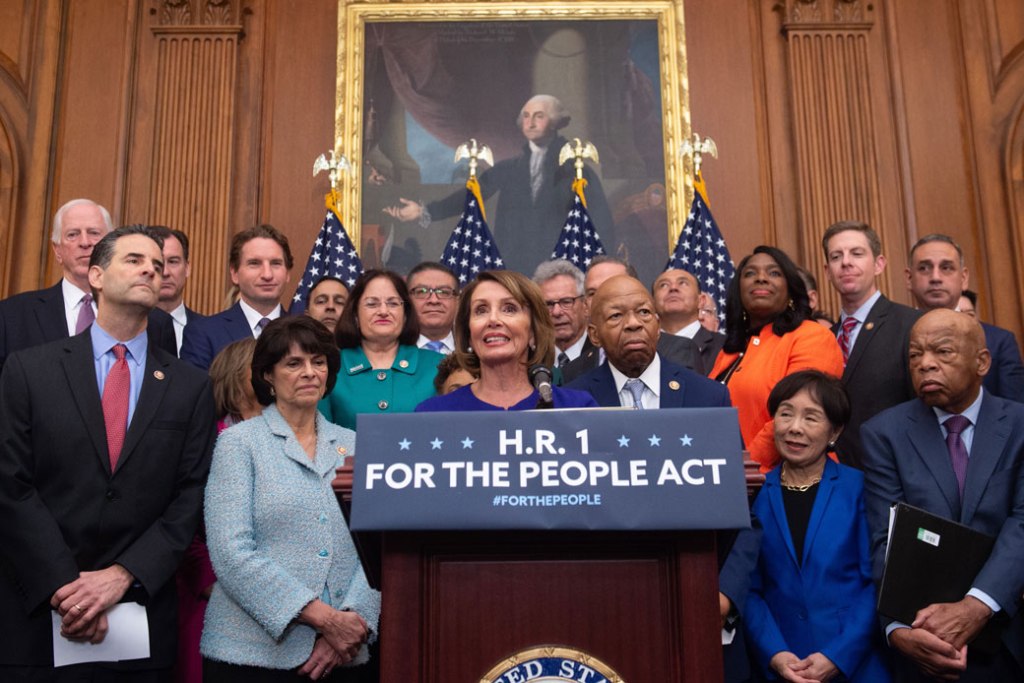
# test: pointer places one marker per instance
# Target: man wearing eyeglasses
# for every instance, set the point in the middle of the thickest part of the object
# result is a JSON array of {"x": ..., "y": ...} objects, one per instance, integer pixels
[
  {"x": 561, "y": 283},
  {"x": 435, "y": 296}
]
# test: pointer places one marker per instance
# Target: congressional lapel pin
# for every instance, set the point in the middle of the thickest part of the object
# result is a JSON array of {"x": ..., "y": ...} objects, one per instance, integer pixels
[
  {"x": 673, "y": 385},
  {"x": 158, "y": 374},
  {"x": 403, "y": 364},
  {"x": 342, "y": 450},
  {"x": 869, "y": 326}
]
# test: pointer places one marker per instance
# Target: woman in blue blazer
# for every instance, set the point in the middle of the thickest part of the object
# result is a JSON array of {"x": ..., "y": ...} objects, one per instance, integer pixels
[{"x": 810, "y": 614}]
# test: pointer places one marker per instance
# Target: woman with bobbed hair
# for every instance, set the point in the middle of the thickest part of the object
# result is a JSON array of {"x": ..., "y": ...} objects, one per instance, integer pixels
[
  {"x": 810, "y": 614},
  {"x": 291, "y": 597},
  {"x": 502, "y": 328},
  {"x": 769, "y": 334},
  {"x": 382, "y": 371}
]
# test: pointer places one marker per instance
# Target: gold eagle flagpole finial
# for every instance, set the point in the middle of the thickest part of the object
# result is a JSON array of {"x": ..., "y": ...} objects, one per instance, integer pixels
[
  {"x": 578, "y": 150},
  {"x": 696, "y": 148},
  {"x": 472, "y": 151}
]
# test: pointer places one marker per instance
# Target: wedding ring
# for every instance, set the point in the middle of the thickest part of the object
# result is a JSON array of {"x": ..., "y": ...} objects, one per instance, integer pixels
[{"x": 78, "y": 608}]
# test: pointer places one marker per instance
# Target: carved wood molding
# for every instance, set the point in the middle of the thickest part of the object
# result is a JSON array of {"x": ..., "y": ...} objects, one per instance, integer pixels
[
  {"x": 824, "y": 13},
  {"x": 199, "y": 13}
]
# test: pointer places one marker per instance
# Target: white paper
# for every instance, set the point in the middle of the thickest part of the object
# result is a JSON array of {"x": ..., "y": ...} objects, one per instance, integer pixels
[{"x": 127, "y": 638}]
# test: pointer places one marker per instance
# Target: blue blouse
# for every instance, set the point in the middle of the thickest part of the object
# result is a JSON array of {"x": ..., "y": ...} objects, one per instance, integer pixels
[{"x": 463, "y": 399}]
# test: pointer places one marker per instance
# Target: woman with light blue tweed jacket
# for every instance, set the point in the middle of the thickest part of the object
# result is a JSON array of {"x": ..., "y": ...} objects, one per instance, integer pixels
[{"x": 291, "y": 598}]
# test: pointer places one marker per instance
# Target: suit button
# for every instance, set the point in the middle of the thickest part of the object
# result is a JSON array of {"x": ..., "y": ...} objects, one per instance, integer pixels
[
  {"x": 383, "y": 405},
  {"x": 323, "y": 553},
  {"x": 382, "y": 375},
  {"x": 111, "y": 496}
]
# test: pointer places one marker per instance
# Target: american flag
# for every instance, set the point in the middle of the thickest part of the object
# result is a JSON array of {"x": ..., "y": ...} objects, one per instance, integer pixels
[
  {"x": 333, "y": 254},
  {"x": 471, "y": 247},
  {"x": 578, "y": 242},
  {"x": 701, "y": 250}
]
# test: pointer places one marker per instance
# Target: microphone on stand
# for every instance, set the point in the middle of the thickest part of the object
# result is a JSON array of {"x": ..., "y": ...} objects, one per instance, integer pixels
[{"x": 540, "y": 377}]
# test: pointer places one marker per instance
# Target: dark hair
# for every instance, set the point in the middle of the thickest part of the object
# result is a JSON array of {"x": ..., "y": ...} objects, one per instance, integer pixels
[
  {"x": 607, "y": 258},
  {"x": 737, "y": 334},
  {"x": 269, "y": 232},
  {"x": 842, "y": 226},
  {"x": 325, "y": 278},
  {"x": 103, "y": 252},
  {"x": 448, "y": 365},
  {"x": 935, "y": 237},
  {"x": 432, "y": 265},
  {"x": 528, "y": 294},
  {"x": 810, "y": 282},
  {"x": 276, "y": 340},
  {"x": 347, "y": 332},
  {"x": 970, "y": 295},
  {"x": 823, "y": 388},
  {"x": 164, "y": 232}
]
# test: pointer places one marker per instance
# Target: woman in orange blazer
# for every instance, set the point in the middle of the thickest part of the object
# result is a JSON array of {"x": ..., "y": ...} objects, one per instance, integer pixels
[{"x": 769, "y": 335}]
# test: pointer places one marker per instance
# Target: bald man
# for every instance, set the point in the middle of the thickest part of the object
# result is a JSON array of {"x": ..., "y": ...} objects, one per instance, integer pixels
[{"x": 956, "y": 451}]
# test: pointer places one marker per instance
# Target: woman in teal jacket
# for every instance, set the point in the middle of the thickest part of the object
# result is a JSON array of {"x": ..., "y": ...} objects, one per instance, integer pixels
[{"x": 382, "y": 371}]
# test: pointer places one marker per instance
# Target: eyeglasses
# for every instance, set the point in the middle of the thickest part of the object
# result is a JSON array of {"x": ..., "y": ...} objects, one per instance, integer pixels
[
  {"x": 373, "y": 304},
  {"x": 443, "y": 293},
  {"x": 565, "y": 303}
]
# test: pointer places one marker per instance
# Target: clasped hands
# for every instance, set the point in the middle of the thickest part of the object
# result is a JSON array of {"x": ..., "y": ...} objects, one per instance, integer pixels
[
  {"x": 341, "y": 634},
  {"x": 83, "y": 603},
  {"x": 937, "y": 639}
]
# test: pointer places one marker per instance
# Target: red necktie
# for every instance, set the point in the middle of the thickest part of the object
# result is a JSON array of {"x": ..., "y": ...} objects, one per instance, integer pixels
[
  {"x": 957, "y": 449},
  {"x": 115, "y": 404},
  {"x": 845, "y": 336}
]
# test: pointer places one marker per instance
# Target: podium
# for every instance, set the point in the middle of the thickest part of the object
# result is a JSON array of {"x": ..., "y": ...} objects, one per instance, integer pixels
[{"x": 457, "y": 604}]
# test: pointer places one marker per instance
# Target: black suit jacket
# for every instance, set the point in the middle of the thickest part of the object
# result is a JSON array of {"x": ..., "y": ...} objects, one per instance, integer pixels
[
  {"x": 62, "y": 511},
  {"x": 708, "y": 344},
  {"x": 877, "y": 374},
  {"x": 1006, "y": 376},
  {"x": 680, "y": 388},
  {"x": 35, "y": 318},
  {"x": 678, "y": 350}
]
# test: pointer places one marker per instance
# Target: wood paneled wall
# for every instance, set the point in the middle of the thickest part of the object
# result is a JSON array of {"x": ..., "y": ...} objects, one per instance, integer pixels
[{"x": 207, "y": 114}]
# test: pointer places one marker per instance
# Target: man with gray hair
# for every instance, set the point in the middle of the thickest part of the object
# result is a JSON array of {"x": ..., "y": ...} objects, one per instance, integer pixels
[
  {"x": 535, "y": 192},
  {"x": 561, "y": 283},
  {"x": 67, "y": 308}
]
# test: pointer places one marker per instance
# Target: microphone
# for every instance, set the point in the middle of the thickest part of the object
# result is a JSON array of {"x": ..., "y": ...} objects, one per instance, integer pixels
[{"x": 540, "y": 377}]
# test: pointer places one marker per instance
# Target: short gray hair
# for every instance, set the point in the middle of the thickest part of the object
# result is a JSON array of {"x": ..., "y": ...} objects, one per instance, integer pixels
[
  {"x": 552, "y": 269},
  {"x": 559, "y": 114},
  {"x": 58, "y": 218}
]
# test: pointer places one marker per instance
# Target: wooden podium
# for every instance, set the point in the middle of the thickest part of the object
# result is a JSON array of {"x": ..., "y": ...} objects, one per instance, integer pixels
[{"x": 456, "y": 603}]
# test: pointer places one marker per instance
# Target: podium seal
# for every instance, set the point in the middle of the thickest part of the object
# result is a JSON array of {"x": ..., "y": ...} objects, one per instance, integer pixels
[{"x": 551, "y": 664}]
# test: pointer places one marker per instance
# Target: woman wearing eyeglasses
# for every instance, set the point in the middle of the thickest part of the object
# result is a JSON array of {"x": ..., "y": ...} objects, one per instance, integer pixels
[{"x": 382, "y": 371}]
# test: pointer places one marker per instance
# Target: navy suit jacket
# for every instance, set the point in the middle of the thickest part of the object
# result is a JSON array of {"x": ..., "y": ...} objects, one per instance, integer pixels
[
  {"x": 679, "y": 350},
  {"x": 1006, "y": 376},
  {"x": 877, "y": 374},
  {"x": 62, "y": 510},
  {"x": 205, "y": 337},
  {"x": 824, "y": 601},
  {"x": 905, "y": 459},
  {"x": 34, "y": 318},
  {"x": 680, "y": 388}
]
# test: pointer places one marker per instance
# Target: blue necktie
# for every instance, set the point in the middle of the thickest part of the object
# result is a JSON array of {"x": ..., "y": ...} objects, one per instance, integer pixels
[
  {"x": 636, "y": 388},
  {"x": 436, "y": 346}
]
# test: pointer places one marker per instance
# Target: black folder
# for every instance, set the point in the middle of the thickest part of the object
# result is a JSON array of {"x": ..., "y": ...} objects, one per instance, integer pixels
[{"x": 931, "y": 559}]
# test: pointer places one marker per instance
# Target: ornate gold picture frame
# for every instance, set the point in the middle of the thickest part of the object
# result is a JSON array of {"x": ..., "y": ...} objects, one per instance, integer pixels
[{"x": 623, "y": 65}]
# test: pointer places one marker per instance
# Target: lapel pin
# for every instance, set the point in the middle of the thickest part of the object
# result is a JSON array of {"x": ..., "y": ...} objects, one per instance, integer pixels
[
  {"x": 869, "y": 326},
  {"x": 403, "y": 364},
  {"x": 342, "y": 450},
  {"x": 673, "y": 385},
  {"x": 158, "y": 374}
]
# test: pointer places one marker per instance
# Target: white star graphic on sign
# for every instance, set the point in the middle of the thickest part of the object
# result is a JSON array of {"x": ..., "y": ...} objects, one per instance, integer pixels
[
  {"x": 467, "y": 442},
  {"x": 435, "y": 445},
  {"x": 654, "y": 439},
  {"x": 686, "y": 439},
  {"x": 623, "y": 441},
  {"x": 404, "y": 444}
]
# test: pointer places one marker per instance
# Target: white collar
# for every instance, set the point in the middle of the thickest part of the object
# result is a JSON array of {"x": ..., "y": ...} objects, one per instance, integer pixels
[
  {"x": 252, "y": 316},
  {"x": 651, "y": 377}
]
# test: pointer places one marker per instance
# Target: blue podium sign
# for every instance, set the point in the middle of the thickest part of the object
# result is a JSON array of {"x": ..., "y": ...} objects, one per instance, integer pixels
[{"x": 550, "y": 469}]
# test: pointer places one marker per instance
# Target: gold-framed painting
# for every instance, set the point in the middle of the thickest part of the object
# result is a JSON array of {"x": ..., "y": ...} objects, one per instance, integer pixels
[{"x": 417, "y": 79}]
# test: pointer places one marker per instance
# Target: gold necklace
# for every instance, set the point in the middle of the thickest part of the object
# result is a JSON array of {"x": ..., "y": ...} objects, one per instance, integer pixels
[{"x": 802, "y": 488}]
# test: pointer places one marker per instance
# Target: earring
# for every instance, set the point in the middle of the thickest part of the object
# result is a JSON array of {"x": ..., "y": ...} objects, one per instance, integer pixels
[
  {"x": 746, "y": 317},
  {"x": 831, "y": 445},
  {"x": 272, "y": 392},
  {"x": 791, "y": 305}
]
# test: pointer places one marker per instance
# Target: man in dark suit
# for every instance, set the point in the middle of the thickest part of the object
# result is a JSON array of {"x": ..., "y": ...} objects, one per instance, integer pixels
[
  {"x": 33, "y": 318},
  {"x": 177, "y": 269},
  {"x": 936, "y": 277},
  {"x": 535, "y": 191},
  {"x": 105, "y": 442},
  {"x": 677, "y": 300},
  {"x": 958, "y": 452},
  {"x": 260, "y": 262},
  {"x": 873, "y": 331},
  {"x": 678, "y": 350}
]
